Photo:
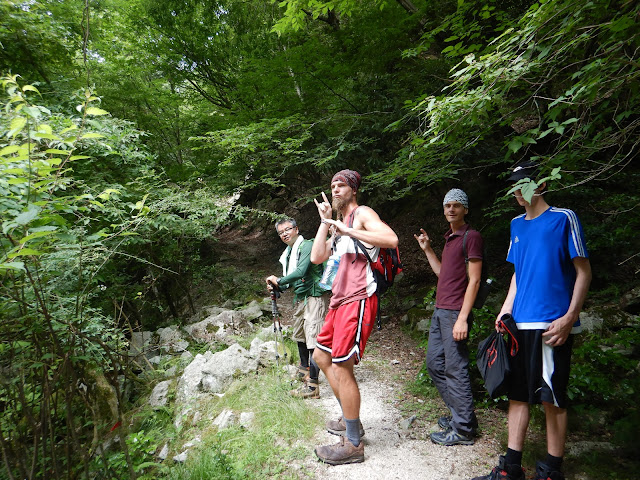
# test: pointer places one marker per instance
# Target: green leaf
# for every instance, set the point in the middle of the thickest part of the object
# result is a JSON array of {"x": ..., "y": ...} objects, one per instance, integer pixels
[
  {"x": 12, "y": 266},
  {"x": 515, "y": 145},
  {"x": 17, "y": 124},
  {"x": 9, "y": 150},
  {"x": 35, "y": 235},
  {"x": 96, "y": 111},
  {"x": 30, "y": 88},
  {"x": 25, "y": 252},
  {"x": 528, "y": 190},
  {"x": 107, "y": 193},
  {"x": 57, "y": 151},
  {"x": 92, "y": 135},
  {"x": 69, "y": 129},
  {"x": 47, "y": 136},
  {"x": 570, "y": 121},
  {"x": 545, "y": 133},
  {"x": 28, "y": 216}
]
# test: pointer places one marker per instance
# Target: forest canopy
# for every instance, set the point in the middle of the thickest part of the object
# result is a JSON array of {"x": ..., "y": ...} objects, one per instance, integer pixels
[{"x": 132, "y": 131}]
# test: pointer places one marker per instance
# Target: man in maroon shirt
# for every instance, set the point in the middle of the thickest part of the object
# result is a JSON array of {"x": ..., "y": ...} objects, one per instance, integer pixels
[{"x": 447, "y": 352}]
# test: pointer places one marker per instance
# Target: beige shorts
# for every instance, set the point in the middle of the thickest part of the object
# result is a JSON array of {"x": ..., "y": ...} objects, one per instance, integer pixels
[{"x": 308, "y": 319}]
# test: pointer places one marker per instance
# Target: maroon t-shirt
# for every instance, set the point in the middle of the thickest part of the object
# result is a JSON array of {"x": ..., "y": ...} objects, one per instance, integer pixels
[{"x": 453, "y": 281}]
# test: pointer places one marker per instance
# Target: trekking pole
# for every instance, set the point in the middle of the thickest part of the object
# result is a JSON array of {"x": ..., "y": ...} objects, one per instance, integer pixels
[{"x": 277, "y": 326}]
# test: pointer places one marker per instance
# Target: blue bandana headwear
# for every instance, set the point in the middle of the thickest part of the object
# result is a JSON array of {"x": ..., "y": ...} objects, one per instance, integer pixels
[{"x": 456, "y": 195}]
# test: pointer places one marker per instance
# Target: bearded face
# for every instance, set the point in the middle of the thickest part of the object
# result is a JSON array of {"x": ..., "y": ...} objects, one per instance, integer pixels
[
  {"x": 338, "y": 203},
  {"x": 341, "y": 198}
]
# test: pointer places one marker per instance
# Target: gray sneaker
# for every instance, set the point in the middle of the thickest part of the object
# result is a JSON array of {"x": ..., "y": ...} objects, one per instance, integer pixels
[
  {"x": 444, "y": 422},
  {"x": 451, "y": 437},
  {"x": 341, "y": 453},
  {"x": 338, "y": 427}
]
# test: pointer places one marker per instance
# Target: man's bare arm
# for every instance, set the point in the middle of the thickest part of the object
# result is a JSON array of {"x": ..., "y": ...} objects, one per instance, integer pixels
[
  {"x": 321, "y": 248},
  {"x": 368, "y": 228},
  {"x": 507, "y": 306},
  {"x": 461, "y": 327},
  {"x": 559, "y": 330},
  {"x": 425, "y": 244}
]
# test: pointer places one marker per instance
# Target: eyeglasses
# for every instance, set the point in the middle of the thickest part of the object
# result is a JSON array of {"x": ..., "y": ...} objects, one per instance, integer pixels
[{"x": 285, "y": 231}]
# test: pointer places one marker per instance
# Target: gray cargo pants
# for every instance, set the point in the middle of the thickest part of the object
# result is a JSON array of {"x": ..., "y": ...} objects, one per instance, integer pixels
[{"x": 448, "y": 366}]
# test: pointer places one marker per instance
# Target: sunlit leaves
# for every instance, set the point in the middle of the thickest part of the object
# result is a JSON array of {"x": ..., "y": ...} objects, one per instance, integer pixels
[
  {"x": 26, "y": 217},
  {"x": 19, "y": 266},
  {"x": 95, "y": 111},
  {"x": 528, "y": 186},
  {"x": 16, "y": 126},
  {"x": 559, "y": 82}
]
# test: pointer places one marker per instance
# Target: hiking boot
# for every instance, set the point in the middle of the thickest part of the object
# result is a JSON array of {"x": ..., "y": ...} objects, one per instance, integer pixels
[
  {"x": 306, "y": 390},
  {"x": 301, "y": 374},
  {"x": 543, "y": 472},
  {"x": 341, "y": 453},
  {"x": 504, "y": 472},
  {"x": 444, "y": 422},
  {"x": 451, "y": 437},
  {"x": 338, "y": 427}
]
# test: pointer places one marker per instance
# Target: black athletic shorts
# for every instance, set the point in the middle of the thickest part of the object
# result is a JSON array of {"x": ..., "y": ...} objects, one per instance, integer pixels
[{"x": 540, "y": 373}]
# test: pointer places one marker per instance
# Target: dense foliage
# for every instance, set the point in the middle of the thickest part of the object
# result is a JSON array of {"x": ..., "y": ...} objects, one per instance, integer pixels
[{"x": 132, "y": 130}]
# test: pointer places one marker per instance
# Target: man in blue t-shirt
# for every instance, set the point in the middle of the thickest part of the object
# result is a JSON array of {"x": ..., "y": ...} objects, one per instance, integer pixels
[{"x": 547, "y": 290}]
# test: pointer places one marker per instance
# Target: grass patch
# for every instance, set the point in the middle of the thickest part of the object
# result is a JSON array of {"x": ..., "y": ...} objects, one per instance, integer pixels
[
  {"x": 269, "y": 447},
  {"x": 422, "y": 399}
]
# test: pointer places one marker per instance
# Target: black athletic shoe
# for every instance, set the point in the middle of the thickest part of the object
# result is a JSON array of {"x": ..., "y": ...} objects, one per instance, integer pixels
[
  {"x": 451, "y": 437},
  {"x": 504, "y": 472},
  {"x": 444, "y": 423},
  {"x": 543, "y": 472}
]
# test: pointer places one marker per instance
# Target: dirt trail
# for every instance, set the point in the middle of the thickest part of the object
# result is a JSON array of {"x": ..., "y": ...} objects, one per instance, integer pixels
[
  {"x": 391, "y": 359},
  {"x": 392, "y": 452}
]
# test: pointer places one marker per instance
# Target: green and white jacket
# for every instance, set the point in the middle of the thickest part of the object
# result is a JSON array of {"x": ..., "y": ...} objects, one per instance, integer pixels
[{"x": 298, "y": 271}]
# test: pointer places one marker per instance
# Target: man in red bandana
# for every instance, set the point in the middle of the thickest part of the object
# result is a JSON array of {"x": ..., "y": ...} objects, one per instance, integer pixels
[{"x": 353, "y": 306}]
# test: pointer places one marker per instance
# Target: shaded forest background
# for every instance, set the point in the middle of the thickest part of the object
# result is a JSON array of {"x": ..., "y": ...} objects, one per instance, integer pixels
[{"x": 134, "y": 132}]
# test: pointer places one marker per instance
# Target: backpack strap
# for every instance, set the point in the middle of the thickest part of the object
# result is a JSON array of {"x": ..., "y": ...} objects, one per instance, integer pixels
[
  {"x": 466, "y": 256},
  {"x": 360, "y": 246},
  {"x": 464, "y": 247},
  {"x": 352, "y": 216}
]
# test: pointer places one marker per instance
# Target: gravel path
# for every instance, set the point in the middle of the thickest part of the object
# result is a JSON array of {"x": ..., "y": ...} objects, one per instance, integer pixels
[
  {"x": 391, "y": 359},
  {"x": 391, "y": 451}
]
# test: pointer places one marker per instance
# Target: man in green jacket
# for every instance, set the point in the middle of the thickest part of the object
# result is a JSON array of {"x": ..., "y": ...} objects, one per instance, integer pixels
[{"x": 310, "y": 306}]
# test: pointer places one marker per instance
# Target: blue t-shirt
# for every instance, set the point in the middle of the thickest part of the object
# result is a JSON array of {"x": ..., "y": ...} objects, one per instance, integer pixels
[{"x": 541, "y": 250}]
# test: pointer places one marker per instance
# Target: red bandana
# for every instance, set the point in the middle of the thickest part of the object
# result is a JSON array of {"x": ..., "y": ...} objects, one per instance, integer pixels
[{"x": 350, "y": 177}]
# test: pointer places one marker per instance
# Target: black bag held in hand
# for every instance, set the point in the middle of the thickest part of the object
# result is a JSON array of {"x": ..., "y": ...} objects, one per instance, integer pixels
[{"x": 493, "y": 357}]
